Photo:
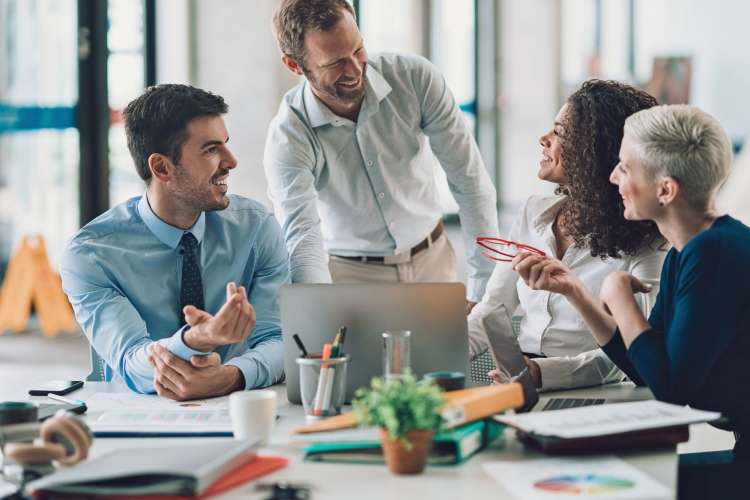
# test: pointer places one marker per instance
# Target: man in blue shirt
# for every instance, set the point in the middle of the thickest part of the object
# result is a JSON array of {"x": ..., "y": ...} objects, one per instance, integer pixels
[{"x": 177, "y": 289}]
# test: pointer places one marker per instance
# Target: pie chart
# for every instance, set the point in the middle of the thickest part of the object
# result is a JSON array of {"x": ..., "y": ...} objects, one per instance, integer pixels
[{"x": 584, "y": 484}]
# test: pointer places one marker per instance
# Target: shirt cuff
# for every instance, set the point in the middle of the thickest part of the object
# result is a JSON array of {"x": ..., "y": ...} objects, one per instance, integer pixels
[
  {"x": 249, "y": 368},
  {"x": 177, "y": 346},
  {"x": 555, "y": 372},
  {"x": 475, "y": 289}
]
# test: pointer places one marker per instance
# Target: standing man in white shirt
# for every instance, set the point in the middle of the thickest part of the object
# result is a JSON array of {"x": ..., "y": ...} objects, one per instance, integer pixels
[{"x": 350, "y": 159}]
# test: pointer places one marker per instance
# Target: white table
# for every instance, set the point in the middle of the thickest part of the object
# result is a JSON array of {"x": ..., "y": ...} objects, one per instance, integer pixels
[{"x": 346, "y": 481}]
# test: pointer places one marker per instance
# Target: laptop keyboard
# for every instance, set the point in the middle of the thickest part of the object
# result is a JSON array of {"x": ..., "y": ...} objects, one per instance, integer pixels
[{"x": 563, "y": 403}]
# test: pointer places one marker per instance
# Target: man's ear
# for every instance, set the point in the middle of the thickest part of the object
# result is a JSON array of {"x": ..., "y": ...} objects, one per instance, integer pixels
[
  {"x": 160, "y": 166},
  {"x": 669, "y": 188},
  {"x": 292, "y": 65}
]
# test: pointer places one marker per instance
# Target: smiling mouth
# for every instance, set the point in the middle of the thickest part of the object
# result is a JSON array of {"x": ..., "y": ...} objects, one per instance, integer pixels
[{"x": 222, "y": 181}]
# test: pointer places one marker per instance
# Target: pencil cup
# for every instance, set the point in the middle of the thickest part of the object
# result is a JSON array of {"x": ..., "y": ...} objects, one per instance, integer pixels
[{"x": 322, "y": 384}]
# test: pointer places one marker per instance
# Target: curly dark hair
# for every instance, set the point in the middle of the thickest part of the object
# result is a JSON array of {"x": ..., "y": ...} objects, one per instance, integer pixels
[{"x": 590, "y": 141}]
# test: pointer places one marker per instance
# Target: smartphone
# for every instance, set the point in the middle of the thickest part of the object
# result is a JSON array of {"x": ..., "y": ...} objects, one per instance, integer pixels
[{"x": 59, "y": 387}]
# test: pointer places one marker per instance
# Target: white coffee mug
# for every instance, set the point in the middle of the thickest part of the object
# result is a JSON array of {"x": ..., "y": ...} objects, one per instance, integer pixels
[{"x": 253, "y": 414}]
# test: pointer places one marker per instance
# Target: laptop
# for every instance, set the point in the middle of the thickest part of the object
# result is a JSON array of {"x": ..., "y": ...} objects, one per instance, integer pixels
[
  {"x": 507, "y": 353},
  {"x": 434, "y": 313}
]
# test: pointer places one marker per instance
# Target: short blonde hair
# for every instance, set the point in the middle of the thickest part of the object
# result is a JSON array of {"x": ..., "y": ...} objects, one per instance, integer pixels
[{"x": 685, "y": 143}]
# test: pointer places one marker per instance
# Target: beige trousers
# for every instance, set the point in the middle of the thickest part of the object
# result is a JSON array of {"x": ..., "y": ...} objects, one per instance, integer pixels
[{"x": 435, "y": 264}]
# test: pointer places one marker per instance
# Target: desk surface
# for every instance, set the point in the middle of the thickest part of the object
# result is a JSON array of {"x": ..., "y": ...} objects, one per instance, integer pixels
[{"x": 334, "y": 481}]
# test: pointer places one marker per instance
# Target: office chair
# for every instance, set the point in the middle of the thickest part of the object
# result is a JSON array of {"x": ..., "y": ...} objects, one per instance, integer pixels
[{"x": 97, "y": 367}]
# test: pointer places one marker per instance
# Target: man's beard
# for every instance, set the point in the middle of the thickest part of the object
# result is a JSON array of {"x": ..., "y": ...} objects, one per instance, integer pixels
[
  {"x": 197, "y": 198},
  {"x": 333, "y": 91}
]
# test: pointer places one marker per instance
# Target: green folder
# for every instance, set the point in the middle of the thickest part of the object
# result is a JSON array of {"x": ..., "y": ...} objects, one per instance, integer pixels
[{"x": 450, "y": 447}]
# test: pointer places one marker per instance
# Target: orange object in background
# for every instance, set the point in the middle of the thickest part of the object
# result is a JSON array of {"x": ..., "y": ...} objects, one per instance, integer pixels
[{"x": 29, "y": 280}]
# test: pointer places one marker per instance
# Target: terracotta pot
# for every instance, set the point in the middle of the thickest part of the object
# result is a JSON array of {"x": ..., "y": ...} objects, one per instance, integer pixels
[{"x": 403, "y": 461}]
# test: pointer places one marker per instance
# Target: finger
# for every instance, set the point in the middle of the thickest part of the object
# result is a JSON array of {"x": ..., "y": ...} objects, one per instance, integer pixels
[
  {"x": 534, "y": 271},
  {"x": 524, "y": 265},
  {"x": 209, "y": 360},
  {"x": 171, "y": 366},
  {"x": 228, "y": 313},
  {"x": 164, "y": 392},
  {"x": 231, "y": 290},
  {"x": 235, "y": 328},
  {"x": 248, "y": 314},
  {"x": 194, "y": 316}
]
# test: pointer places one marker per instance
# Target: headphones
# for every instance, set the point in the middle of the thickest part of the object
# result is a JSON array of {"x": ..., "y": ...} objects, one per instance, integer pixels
[{"x": 64, "y": 439}]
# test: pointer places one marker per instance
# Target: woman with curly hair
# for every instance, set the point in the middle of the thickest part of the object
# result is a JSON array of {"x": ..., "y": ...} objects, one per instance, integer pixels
[{"x": 583, "y": 227}]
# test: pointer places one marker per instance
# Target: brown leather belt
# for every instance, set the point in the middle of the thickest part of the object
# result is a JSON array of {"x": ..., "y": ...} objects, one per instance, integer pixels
[{"x": 425, "y": 243}]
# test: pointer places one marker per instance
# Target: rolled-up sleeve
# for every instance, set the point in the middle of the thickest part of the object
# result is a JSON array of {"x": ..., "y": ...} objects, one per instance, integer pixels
[
  {"x": 455, "y": 148},
  {"x": 262, "y": 362},
  {"x": 289, "y": 163}
]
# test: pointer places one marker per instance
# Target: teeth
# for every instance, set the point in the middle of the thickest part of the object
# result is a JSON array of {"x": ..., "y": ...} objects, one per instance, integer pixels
[{"x": 219, "y": 183}]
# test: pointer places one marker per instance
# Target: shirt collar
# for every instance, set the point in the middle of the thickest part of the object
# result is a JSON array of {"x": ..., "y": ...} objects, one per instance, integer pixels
[
  {"x": 547, "y": 216},
  {"x": 166, "y": 233},
  {"x": 320, "y": 115}
]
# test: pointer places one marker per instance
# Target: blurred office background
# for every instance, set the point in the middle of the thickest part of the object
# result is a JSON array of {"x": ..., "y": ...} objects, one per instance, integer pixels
[{"x": 68, "y": 67}]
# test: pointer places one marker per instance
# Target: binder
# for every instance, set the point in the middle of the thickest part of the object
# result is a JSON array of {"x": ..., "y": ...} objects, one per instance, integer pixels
[
  {"x": 451, "y": 447},
  {"x": 464, "y": 406}
]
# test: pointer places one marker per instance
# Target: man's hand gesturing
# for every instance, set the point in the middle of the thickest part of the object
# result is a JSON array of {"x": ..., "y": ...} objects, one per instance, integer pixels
[{"x": 231, "y": 325}]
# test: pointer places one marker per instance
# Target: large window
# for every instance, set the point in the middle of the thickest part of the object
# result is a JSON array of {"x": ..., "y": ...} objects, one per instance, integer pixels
[
  {"x": 126, "y": 67},
  {"x": 39, "y": 150},
  {"x": 67, "y": 68}
]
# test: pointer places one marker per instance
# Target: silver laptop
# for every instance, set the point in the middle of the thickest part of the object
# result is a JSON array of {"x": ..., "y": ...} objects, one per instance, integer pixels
[{"x": 434, "y": 313}]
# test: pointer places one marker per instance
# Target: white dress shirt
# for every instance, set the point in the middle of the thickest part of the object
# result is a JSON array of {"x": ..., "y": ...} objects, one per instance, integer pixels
[
  {"x": 369, "y": 188},
  {"x": 550, "y": 325}
]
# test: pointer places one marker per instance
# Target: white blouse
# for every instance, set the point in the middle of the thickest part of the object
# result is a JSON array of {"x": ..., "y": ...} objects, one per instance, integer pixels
[{"x": 550, "y": 326}]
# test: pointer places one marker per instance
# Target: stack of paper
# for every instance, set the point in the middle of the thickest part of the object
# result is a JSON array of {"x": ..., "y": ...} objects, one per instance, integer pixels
[
  {"x": 603, "y": 420},
  {"x": 131, "y": 415}
]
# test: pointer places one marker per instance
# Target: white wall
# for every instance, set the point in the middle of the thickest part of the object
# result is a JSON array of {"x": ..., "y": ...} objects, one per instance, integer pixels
[
  {"x": 528, "y": 81},
  {"x": 715, "y": 34},
  {"x": 232, "y": 53}
]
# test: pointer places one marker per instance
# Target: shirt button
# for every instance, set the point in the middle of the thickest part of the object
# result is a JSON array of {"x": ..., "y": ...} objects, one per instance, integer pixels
[
  {"x": 381, "y": 195},
  {"x": 369, "y": 163}
]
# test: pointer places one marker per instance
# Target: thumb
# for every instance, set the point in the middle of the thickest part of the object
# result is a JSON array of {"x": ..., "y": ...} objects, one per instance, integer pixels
[
  {"x": 212, "y": 359},
  {"x": 193, "y": 315}
]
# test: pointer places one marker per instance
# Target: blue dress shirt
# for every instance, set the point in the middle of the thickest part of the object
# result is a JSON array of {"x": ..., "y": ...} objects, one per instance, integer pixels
[
  {"x": 369, "y": 188},
  {"x": 122, "y": 274}
]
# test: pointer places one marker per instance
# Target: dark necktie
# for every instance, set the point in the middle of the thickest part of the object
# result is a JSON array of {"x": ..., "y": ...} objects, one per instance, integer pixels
[{"x": 191, "y": 291}]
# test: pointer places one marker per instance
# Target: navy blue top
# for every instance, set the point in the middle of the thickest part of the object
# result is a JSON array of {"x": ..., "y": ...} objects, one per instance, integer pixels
[{"x": 699, "y": 339}]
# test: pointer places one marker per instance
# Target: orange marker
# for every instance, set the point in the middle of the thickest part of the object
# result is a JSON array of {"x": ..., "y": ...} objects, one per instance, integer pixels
[{"x": 322, "y": 378}]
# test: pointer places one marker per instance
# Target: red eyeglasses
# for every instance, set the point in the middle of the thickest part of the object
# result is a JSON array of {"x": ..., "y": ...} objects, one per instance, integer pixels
[{"x": 505, "y": 248}]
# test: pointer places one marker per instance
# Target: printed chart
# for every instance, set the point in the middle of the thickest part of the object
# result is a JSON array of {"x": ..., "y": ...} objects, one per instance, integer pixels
[
  {"x": 602, "y": 477},
  {"x": 587, "y": 484}
]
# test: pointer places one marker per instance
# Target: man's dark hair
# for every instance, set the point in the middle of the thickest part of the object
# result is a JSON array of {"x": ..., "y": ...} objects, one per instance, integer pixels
[
  {"x": 156, "y": 122},
  {"x": 294, "y": 18}
]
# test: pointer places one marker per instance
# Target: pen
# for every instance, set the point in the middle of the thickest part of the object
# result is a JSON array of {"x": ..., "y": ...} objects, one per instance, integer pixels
[
  {"x": 301, "y": 346},
  {"x": 72, "y": 402},
  {"x": 322, "y": 379}
]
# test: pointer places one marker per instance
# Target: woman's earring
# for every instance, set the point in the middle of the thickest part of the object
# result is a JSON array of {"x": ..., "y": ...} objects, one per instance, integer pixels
[{"x": 661, "y": 203}]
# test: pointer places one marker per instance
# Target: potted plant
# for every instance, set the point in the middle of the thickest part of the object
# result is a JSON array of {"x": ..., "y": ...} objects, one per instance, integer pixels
[{"x": 408, "y": 414}]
